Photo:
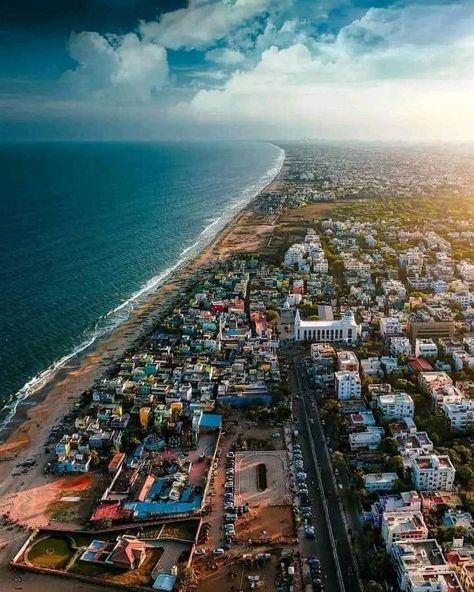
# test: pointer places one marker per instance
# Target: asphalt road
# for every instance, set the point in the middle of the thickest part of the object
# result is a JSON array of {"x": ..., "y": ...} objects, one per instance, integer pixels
[{"x": 345, "y": 559}]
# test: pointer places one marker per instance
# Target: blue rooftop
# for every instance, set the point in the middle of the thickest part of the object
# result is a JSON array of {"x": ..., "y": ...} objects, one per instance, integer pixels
[
  {"x": 164, "y": 582},
  {"x": 211, "y": 421}
]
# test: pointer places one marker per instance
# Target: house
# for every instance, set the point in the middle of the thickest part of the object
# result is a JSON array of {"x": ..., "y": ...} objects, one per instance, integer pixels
[
  {"x": 390, "y": 326},
  {"x": 127, "y": 553},
  {"x": 368, "y": 440},
  {"x": 380, "y": 481}
]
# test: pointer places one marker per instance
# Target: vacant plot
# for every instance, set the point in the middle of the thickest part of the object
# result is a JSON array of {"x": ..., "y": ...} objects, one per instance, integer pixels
[
  {"x": 262, "y": 478},
  {"x": 52, "y": 551},
  {"x": 271, "y": 523}
]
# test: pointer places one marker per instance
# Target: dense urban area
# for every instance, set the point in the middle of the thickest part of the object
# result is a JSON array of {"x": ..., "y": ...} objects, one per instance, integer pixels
[{"x": 302, "y": 416}]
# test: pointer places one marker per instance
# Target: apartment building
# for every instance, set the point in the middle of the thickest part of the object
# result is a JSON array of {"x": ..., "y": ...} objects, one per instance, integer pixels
[
  {"x": 348, "y": 385},
  {"x": 432, "y": 472},
  {"x": 402, "y": 526},
  {"x": 396, "y": 405}
]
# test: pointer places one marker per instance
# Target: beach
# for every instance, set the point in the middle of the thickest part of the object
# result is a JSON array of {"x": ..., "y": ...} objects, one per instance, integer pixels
[{"x": 25, "y": 495}]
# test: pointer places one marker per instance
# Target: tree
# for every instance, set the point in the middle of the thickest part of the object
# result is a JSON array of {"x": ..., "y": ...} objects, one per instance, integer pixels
[
  {"x": 373, "y": 586},
  {"x": 272, "y": 315},
  {"x": 388, "y": 446}
]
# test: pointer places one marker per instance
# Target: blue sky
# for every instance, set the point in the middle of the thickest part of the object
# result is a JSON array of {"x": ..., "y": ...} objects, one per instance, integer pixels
[{"x": 148, "y": 69}]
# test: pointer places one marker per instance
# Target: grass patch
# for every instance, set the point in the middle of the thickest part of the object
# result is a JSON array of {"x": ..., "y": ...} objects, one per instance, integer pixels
[
  {"x": 53, "y": 552},
  {"x": 261, "y": 477},
  {"x": 180, "y": 530}
]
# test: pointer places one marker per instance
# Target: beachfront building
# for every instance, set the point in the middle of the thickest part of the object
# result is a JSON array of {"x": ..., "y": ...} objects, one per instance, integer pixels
[{"x": 344, "y": 330}]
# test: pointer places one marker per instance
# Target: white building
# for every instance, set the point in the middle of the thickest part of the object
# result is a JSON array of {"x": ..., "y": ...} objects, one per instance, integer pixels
[
  {"x": 368, "y": 440},
  {"x": 390, "y": 326},
  {"x": 348, "y": 385},
  {"x": 459, "y": 415},
  {"x": 421, "y": 567},
  {"x": 372, "y": 367},
  {"x": 402, "y": 526},
  {"x": 433, "y": 472},
  {"x": 344, "y": 330},
  {"x": 380, "y": 481},
  {"x": 426, "y": 348},
  {"x": 400, "y": 346},
  {"x": 398, "y": 405}
]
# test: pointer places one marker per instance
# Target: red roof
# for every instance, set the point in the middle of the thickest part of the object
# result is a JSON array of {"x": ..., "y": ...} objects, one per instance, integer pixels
[
  {"x": 116, "y": 461},
  {"x": 110, "y": 512},
  {"x": 419, "y": 364}
]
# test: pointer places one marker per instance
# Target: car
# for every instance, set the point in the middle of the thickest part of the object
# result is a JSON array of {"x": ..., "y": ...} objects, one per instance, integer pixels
[
  {"x": 230, "y": 454},
  {"x": 201, "y": 552},
  {"x": 311, "y": 421},
  {"x": 306, "y": 512},
  {"x": 309, "y": 532},
  {"x": 230, "y": 517},
  {"x": 219, "y": 551}
]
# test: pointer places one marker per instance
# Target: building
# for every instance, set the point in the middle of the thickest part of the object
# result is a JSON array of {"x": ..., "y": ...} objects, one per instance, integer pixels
[
  {"x": 380, "y": 481},
  {"x": 402, "y": 526},
  {"x": 434, "y": 329},
  {"x": 459, "y": 415},
  {"x": 421, "y": 567},
  {"x": 400, "y": 346},
  {"x": 426, "y": 348},
  {"x": 390, "y": 326},
  {"x": 344, "y": 330},
  {"x": 368, "y": 440},
  {"x": 397, "y": 405},
  {"x": 348, "y": 385},
  {"x": 347, "y": 361},
  {"x": 433, "y": 472}
]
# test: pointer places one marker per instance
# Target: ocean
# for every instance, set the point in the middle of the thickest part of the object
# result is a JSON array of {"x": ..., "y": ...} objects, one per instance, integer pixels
[{"x": 88, "y": 228}]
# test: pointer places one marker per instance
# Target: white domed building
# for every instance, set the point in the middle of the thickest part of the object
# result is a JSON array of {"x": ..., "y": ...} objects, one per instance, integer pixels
[{"x": 344, "y": 330}]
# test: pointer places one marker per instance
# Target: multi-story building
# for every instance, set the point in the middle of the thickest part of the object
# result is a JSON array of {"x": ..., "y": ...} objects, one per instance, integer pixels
[
  {"x": 402, "y": 526},
  {"x": 426, "y": 348},
  {"x": 400, "y": 346},
  {"x": 459, "y": 416},
  {"x": 397, "y": 405},
  {"x": 380, "y": 481},
  {"x": 431, "y": 472},
  {"x": 418, "y": 564},
  {"x": 347, "y": 361},
  {"x": 390, "y": 326},
  {"x": 348, "y": 385}
]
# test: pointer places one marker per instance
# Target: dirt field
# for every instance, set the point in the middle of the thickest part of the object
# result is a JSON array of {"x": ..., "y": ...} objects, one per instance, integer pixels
[
  {"x": 247, "y": 486},
  {"x": 275, "y": 523}
]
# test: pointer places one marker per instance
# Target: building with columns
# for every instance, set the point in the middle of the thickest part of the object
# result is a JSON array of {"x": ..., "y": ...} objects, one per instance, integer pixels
[{"x": 344, "y": 330}]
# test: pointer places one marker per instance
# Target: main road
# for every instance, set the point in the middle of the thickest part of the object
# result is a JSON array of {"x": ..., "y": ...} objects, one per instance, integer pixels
[{"x": 330, "y": 514}]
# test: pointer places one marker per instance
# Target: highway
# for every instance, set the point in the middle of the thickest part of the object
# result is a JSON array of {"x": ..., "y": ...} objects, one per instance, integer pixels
[{"x": 334, "y": 548}]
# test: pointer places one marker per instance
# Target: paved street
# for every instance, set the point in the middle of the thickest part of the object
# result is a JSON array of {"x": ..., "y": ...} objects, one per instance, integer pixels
[{"x": 303, "y": 411}]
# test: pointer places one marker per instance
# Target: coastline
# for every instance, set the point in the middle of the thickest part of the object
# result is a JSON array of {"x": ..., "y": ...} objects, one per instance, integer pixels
[{"x": 82, "y": 369}]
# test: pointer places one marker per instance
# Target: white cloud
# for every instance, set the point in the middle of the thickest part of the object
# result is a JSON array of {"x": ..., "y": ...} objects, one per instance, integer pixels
[
  {"x": 121, "y": 67},
  {"x": 392, "y": 73},
  {"x": 224, "y": 55},
  {"x": 203, "y": 22}
]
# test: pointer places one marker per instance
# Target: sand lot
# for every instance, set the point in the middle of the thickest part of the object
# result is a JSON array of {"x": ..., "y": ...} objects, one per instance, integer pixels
[{"x": 277, "y": 476}]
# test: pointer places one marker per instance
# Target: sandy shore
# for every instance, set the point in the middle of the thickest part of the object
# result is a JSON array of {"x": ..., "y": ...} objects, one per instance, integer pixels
[{"x": 25, "y": 495}]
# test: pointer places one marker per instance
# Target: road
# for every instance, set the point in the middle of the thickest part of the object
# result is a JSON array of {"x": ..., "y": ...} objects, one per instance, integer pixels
[{"x": 341, "y": 563}]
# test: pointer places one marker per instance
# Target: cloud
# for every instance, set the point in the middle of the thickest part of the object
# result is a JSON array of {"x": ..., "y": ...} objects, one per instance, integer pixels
[
  {"x": 123, "y": 67},
  {"x": 393, "y": 72},
  {"x": 225, "y": 56},
  {"x": 203, "y": 22}
]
